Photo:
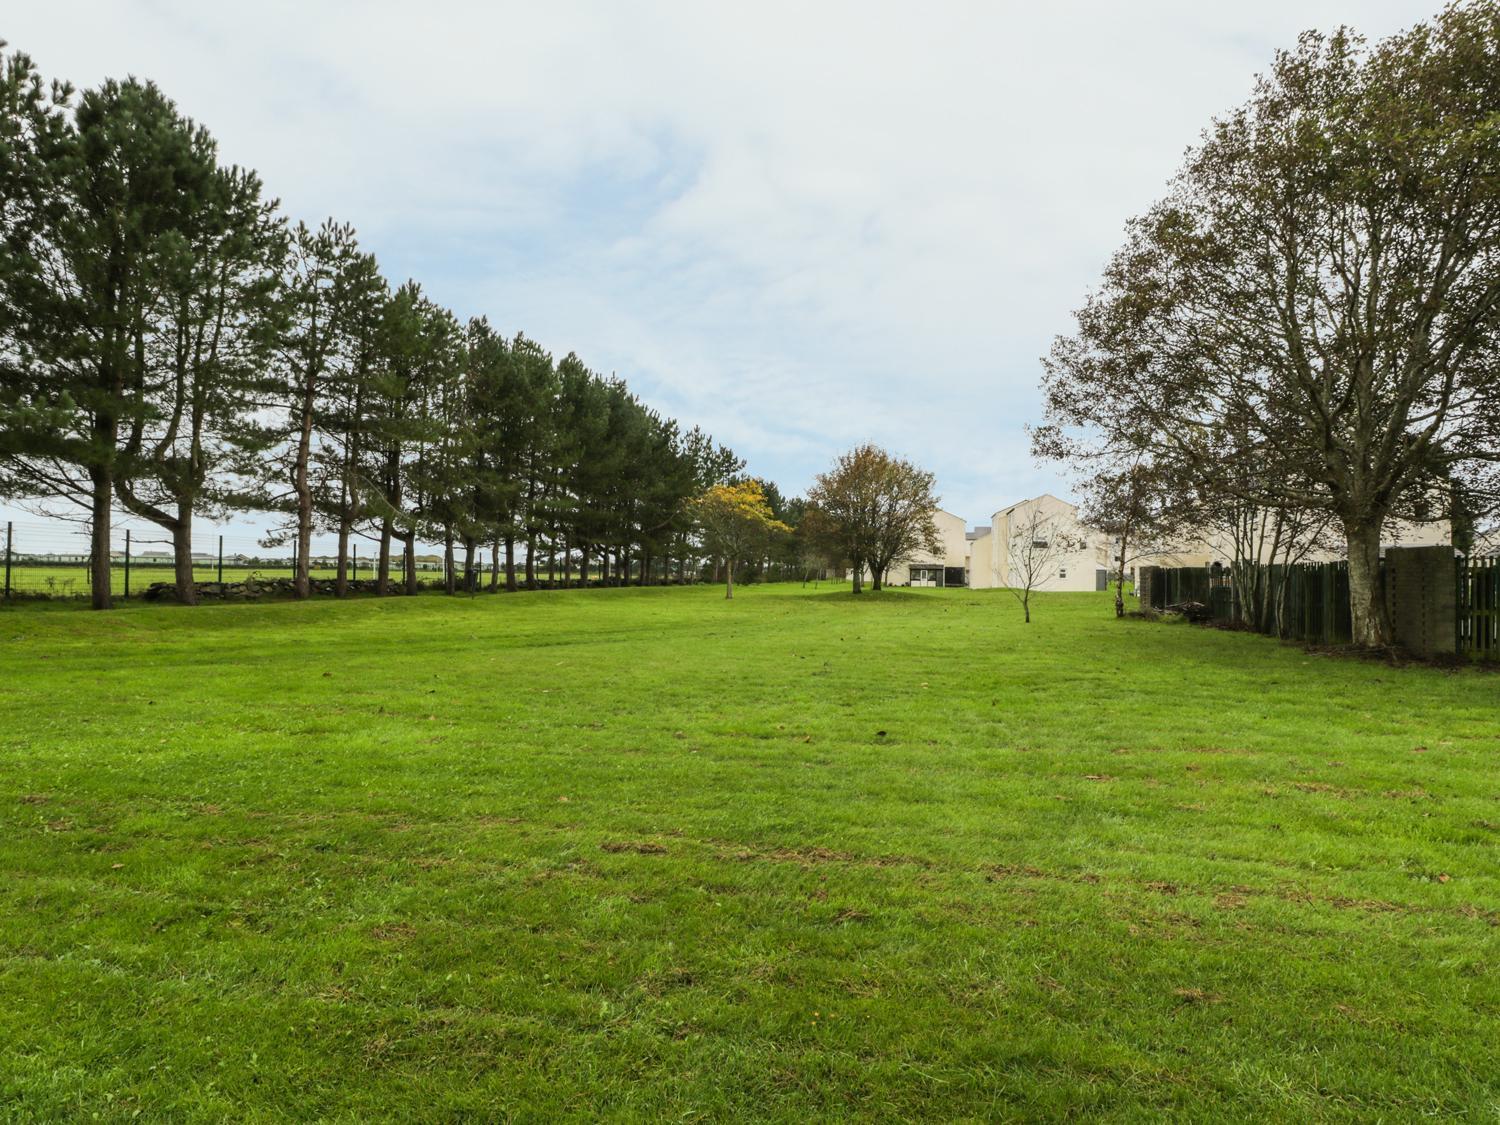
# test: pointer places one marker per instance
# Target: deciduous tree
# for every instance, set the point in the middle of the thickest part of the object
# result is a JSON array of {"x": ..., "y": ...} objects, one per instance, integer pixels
[
  {"x": 737, "y": 523},
  {"x": 1324, "y": 280},
  {"x": 874, "y": 510}
]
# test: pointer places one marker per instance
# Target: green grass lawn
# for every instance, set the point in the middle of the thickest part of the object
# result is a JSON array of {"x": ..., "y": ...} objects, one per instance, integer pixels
[{"x": 799, "y": 856}]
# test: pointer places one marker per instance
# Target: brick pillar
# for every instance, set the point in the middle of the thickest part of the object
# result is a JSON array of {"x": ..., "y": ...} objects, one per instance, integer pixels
[
  {"x": 1145, "y": 581},
  {"x": 1421, "y": 593}
]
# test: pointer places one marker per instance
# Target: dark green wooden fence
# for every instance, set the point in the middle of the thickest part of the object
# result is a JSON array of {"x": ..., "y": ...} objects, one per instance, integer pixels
[
  {"x": 1315, "y": 604},
  {"x": 1479, "y": 608},
  {"x": 1310, "y": 601},
  {"x": 1187, "y": 584}
]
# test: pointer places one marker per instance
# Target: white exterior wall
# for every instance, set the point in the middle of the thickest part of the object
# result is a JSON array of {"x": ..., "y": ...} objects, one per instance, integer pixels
[
  {"x": 1205, "y": 550},
  {"x": 981, "y": 574},
  {"x": 954, "y": 549},
  {"x": 1069, "y": 570}
]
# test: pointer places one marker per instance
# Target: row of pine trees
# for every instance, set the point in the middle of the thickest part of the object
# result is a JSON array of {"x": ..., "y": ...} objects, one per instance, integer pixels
[{"x": 171, "y": 345}]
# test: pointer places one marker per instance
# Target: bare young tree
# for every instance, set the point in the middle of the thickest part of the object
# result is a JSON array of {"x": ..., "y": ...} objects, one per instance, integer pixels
[{"x": 1037, "y": 545}]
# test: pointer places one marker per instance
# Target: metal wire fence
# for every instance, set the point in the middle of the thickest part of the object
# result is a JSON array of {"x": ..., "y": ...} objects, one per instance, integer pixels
[{"x": 50, "y": 559}]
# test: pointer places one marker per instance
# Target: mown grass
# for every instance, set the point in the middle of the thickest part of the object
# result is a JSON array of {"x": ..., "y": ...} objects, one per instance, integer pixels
[{"x": 800, "y": 856}]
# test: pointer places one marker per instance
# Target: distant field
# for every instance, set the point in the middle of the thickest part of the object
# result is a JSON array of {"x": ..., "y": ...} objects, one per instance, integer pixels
[
  {"x": 63, "y": 581},
  {"x": 648, "y": 854}
]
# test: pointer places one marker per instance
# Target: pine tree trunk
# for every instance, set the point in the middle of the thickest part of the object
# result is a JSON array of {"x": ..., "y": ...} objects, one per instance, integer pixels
[
  {"x": 100, "y": 564},
  {"x": 583, "y": 566},
  {"x": 411, "y": 561},
  {"x": 494, "y": 566},
  {"x": 302, "y": 579},
  {"x": 1120, "y": 577},
  {"x": 182, "y": 553},
  {"x": 387, "y": 530},
  {"x": 450, "y": 585},
  {"x": 341, "y": 579},
  {"x": 531, "y": 560},
  {"x": 510, "y": 563},
  {"x": 383, "y": 566},
  {"x": 729, "y": 581},
  {"x": 303, "y": 486}
]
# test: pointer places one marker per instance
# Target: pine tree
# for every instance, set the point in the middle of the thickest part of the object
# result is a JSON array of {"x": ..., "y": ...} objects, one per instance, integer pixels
[
  {"x": 121, "y": 176},
  {"x": 206, "y": 352}
]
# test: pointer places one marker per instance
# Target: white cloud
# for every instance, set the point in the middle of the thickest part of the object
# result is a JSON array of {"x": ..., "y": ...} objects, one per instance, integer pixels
[{"x": 799, "y": 225}]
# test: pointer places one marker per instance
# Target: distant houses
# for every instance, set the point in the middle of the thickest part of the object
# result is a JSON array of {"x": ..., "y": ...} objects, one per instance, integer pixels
[
  {"x": 981, "y": 558},
  {"x": 138, "y": 558},
  {"x": 1217, "y": 548},
  {"x": 57, "y": 558}
]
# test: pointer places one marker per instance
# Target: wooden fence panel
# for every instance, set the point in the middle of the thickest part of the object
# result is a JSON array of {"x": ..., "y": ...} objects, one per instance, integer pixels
[
  {"x": 1479, "y": 608},
  {"x": 1310, "y": 601}
]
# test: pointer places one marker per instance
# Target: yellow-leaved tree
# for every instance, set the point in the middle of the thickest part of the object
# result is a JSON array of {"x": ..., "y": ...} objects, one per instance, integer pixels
[{"x": 737, "y": 523}]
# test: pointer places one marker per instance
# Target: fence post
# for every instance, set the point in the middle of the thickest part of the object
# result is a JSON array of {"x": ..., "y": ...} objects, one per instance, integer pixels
[
  {"x": 127, "y": 563},
  {"x": 221, "y": 560},
  {"x": 9, "y": 531}
]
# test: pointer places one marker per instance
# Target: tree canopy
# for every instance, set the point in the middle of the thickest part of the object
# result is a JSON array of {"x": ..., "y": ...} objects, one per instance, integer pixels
[
  {"x": 171, "y": 345},
  {"x": 737, "y": 522},
  {"x": 1317, "y": 298},
  {"x": 872, "y": 510}
]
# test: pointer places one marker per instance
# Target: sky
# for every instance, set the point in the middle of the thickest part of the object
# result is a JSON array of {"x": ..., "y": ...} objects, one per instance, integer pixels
[{"x": 801, "y": 226}]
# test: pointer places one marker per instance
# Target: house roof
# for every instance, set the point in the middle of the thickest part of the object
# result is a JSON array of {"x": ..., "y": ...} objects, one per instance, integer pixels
[{"x": 1033, "y": 500}]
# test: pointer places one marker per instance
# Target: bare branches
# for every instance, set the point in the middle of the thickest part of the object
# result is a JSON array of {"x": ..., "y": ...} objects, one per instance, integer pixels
[{"x": 1038, "y": 542}]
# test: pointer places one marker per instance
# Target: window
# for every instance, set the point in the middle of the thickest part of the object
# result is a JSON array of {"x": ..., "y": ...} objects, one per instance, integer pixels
[
  {"x": 1039, "y": 544},
  {"x": 1062, "y": 572}
]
